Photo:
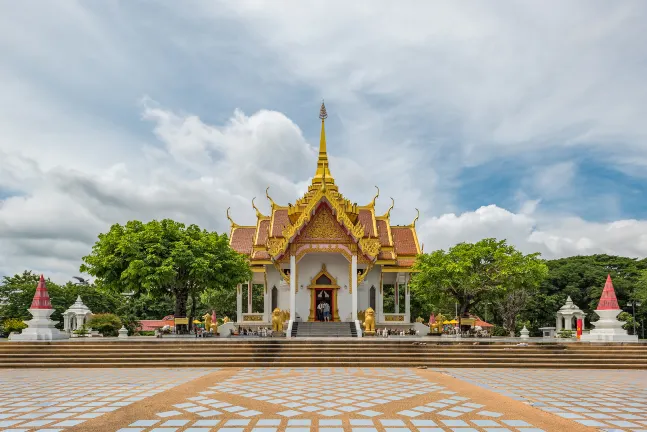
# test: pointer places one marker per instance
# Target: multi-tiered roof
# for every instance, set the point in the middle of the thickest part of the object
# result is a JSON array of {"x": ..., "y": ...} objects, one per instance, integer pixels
[{"x": 377, "y": 240}]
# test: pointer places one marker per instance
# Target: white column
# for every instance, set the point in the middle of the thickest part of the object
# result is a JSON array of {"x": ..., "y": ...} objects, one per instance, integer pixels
[
  {"x": 267, "y": 303},
  {"x": 353, "y": 284},
  {"x": 293, "y": 287},
  {"x": 568, "y": 320},
  {"x": 396, "y": 293},
  {"x": 558, "y": 323},
  {"x": 249, "y": 297},
  {"x": 239, "y": 303},
  {"x": 407, "y": 302},
  {"x": 380, "y": 302}
]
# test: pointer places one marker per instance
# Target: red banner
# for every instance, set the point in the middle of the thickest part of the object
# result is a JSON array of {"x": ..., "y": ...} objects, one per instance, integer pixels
[{"x": 580, "y": 325}]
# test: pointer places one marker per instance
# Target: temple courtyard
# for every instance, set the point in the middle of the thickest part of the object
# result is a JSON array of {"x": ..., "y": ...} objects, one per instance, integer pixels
[{"x": 322, "y": 399}]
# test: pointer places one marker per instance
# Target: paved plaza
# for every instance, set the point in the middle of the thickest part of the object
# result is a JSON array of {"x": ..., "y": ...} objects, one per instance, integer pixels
[{"x": 322, "y": 399}]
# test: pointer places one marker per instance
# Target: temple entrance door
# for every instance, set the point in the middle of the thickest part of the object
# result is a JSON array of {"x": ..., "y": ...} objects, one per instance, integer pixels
[{"x": 324, "y": 296}]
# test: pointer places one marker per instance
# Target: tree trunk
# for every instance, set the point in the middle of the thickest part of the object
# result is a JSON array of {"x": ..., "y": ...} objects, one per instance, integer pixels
[
  {"x": 192, "y": 315},
  {"x": 181, "y": 299}
]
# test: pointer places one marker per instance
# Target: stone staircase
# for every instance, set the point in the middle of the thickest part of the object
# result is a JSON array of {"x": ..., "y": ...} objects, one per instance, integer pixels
[
  {"x": 326, "y": 329},
  {"x": 329, "y": 352}
]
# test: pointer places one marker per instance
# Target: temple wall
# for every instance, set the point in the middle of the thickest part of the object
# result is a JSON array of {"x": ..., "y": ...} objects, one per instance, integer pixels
[
  {"x": 338, "y": 266},
  {"x": 274, "y": 279},
  {"x": 373, "y": 279}
]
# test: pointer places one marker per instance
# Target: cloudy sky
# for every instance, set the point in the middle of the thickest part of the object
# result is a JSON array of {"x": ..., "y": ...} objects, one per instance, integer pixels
[{"x": 500, "y": 119}]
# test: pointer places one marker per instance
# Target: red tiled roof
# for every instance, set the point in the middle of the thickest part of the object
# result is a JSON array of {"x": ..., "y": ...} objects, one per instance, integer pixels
[
  {"x": 366, "y": 218},
  {"x": 406, "y": 262},
  {"x": 281, "y": 220},
  {"x": 404, "y": 240},
  {"x": 149, "y": 325},
  {"x": 383, "y": 255},
  {"x": 262, "y": 232},
  {"x": 261, "y": 255},
  {"x": 242, "y": 239},
  {"x": 383, "y": 232}
]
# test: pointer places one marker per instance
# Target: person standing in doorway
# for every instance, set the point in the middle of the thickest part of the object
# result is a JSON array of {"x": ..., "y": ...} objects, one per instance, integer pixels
[
  {"x": 327, "y": 311},
  {"x": 320, "y": 311}
]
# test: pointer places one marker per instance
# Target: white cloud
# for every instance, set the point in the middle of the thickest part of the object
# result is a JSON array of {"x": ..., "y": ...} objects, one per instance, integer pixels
[
  {"x": 553, "y": 238},
  {"x": 554, "y": 180},
  {"x": 416, "y": 92}
]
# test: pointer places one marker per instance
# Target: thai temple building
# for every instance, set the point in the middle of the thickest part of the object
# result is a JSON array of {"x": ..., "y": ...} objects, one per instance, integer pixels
[{"x": 324, "y": 249}]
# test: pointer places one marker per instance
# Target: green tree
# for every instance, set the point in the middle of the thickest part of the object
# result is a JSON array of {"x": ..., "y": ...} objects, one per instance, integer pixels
[
  {"x": 18, "y": 291},
  {"x": 165, "y": 257},
  {"x": 221, "y": 300},
  {"x": 469, "y": 273}
]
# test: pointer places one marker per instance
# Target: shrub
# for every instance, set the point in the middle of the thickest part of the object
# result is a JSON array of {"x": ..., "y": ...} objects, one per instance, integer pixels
[
  {"x": 81, "y": 331},
  {"x": 566, "y": 334},
  {"x": 107, "y": 324},
  {"x": 146, "y": 333},
  {"x": 13, "y": 325}
]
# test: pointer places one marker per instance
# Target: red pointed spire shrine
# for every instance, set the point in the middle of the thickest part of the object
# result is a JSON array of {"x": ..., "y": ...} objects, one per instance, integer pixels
[
  {"x": 608, "y": 300},
  {"x": 41, "y": 298}
]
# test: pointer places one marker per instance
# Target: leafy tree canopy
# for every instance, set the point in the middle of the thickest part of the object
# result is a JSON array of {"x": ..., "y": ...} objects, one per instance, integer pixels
[
  {"x": 165, "y": 257},
  {"x": 472, "y": 272},
  {"x": 17, "y": 292}
]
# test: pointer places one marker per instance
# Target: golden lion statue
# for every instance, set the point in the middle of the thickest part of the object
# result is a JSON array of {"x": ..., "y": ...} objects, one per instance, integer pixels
[
  {"x": 225, "y": 320},
  {"x": 369, "y": 320},
  {"x": 361, "y": 315},
  {"x": 207, "y": 321},
  {"x": 285, "y": 315},
  {"x": 437, "y": 327},
  {"x": 277, "y": 320}
]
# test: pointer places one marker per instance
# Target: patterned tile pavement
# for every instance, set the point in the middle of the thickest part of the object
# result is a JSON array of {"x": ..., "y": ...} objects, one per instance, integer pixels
[
  {"x": 51, "y": 400},
  {"x": 318, "y": 399},
  {"x": 328, "y": 397},
  {"x": 613, "y": 401}
]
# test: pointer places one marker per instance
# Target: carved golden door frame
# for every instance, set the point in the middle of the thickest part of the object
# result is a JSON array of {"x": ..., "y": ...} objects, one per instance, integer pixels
[{"x": 333, "y": 286}]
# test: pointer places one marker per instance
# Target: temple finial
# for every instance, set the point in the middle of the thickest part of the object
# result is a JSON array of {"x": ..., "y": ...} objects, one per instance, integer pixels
[
  {"x": 268, "y": 197},
  {"x": 322, "y": 161},
  {"x": 233, "y": 224},
  {"x": 413, "y": 224},
  {"x": 258, "y": 212},
  {"x": 376, "y": 195},
  {"x": 322, "y": 111},
  {"x": 388, "y": 212}
]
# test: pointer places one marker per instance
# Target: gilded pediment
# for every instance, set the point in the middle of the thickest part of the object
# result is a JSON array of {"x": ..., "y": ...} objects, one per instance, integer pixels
[{"x": 323, "y": 227}]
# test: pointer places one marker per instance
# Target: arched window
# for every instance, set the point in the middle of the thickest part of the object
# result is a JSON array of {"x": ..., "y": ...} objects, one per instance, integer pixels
[
  {"x": 275, "y": 297},
  {"x": 371, "y": 297},
  {"x": 323, "y": 280}
]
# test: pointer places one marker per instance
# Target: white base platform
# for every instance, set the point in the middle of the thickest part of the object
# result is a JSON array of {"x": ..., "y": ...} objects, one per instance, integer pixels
[
  {"x": 608, "y": 329},
  {"x": 40, "y": 328}
]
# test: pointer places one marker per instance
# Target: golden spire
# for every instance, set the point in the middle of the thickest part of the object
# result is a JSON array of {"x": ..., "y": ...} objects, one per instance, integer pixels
[{"x": 323, "y": 173}]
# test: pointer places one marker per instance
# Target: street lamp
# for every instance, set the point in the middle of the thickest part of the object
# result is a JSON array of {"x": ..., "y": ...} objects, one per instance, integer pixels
[{"x": 633, "y": 304}]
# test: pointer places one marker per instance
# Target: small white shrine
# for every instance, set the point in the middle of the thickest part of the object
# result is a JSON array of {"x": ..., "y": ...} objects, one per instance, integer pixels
[
  {"x": 76, "y": 316},
  {"x": 40, "y": 327},
  {"x": 608, "y": 328},
  {"x": 568, "y": 315}
]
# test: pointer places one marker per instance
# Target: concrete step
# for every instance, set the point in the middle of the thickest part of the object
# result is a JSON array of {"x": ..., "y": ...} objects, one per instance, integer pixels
[
  {"x": 476, "y": 364},
  {"x": 292, "y": 353}
]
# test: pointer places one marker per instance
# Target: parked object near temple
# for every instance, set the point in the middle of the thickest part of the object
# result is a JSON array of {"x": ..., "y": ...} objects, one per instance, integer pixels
[
  {"x": 40, "y": 327},
  {"x": 608, "y": 328}
]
